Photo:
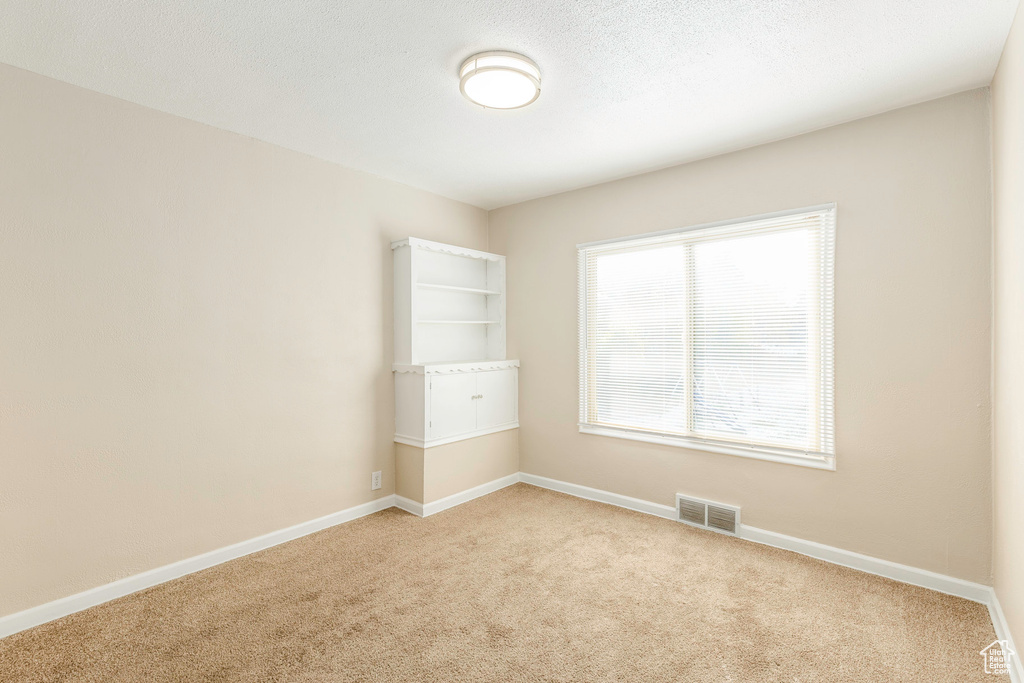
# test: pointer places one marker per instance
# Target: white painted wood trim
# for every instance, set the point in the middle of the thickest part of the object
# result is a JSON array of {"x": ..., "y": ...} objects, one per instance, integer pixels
[
  {"x": 34, "y": 616},
  {"x": 446, "y": 249},
  {"x": 1002, "y": 629},
  {"x": 819, "y": 461},
  {"x": 468, "y": 495},
  {"x": 449, "y": 368},
  {"x": 898, "y": 572},
  {"x": 430, "y": 443},
  {"x": 818, "y": 208},
  {"x": 871, "y": 565},
  {"x": 656, "y": 509},
  {"x": 427, "y": 509},
  {"x": 409, "y": 505}
]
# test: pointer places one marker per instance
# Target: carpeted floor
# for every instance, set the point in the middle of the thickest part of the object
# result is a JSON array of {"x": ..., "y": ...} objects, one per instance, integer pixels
[{"x": 521, "y": 585}]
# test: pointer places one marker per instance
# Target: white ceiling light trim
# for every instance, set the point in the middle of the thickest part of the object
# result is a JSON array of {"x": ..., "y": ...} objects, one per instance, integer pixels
[{"x": 500, "y": 80}]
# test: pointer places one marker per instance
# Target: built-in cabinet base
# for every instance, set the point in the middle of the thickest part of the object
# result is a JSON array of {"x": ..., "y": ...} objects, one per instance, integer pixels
[
  {"x": 425, "y": 475},
  {"x": 439, "y": 403}
]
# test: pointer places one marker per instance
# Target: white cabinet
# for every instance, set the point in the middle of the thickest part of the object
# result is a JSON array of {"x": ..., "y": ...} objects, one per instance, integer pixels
[
  {"x": 453, "y": 404},
  {"x": 463, "y": 404},
  {"x": 452, "y": 380},
  {"x": 496, "y": 398},
  {"x": 441, "y": 403}
]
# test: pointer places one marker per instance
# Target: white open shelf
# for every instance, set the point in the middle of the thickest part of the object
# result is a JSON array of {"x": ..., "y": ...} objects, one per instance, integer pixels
[
  {"x": 449, "y": 303},
  {"x": 451, "y": 288}
]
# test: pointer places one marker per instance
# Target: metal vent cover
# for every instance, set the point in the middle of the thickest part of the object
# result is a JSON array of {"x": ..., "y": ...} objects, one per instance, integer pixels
[
  {"x": 692, "y": 511},
  {"x": 708, "y": 514},
  {"x": 722, "y": 519}
]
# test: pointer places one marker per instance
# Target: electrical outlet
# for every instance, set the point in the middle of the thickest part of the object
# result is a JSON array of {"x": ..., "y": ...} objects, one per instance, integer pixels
[{"x": 375, "y": 481}]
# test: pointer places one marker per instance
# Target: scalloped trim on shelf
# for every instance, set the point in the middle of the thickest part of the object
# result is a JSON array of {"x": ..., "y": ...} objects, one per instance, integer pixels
[
  {"x": 445, "y": 249},
  {"x": 452, "y": 368}
]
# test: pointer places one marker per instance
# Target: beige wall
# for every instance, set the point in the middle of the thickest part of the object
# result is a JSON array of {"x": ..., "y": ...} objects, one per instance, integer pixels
[
  {"x": 1008, "y": 332},
  {"x": 430, "y": 474},
  {"x": 195, "y": 344},
  {"x": 409, "y": 472},
  {"x": 913, "y": 480}
]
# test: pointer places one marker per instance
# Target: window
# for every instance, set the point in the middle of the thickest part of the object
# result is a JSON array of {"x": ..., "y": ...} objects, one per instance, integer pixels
[{"x": 717, "y": 337}]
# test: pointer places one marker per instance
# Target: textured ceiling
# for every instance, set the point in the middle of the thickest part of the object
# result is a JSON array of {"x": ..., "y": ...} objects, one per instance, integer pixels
[{"x": 628, "y": 85}]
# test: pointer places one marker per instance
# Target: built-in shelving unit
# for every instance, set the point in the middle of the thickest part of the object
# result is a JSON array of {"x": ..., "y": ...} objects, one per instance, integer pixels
[
  {"x": 449, "y": 303},
  {"x": 452, "y": 380}
]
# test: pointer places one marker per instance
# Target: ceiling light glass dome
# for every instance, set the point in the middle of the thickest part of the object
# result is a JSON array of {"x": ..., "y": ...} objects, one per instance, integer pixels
[{"x": 500, "y": 80}]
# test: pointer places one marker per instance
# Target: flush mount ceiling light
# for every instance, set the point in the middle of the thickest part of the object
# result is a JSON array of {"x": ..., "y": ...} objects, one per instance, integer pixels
[{"x": 499, "y": 80}]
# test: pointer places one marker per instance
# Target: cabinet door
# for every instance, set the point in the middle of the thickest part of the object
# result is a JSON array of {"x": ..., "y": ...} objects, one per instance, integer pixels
[
  {"x": 452, "y": 406},
  {"x": 497, "y": 402}
]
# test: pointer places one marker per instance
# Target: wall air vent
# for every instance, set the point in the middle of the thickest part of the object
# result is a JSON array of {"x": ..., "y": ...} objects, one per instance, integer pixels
[
  {"x": 707, "y": 514},
  {"x": 691, "y": 511}
]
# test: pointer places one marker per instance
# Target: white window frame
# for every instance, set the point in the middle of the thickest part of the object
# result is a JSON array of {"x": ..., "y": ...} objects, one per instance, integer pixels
[{"x": 824, "y": 461}]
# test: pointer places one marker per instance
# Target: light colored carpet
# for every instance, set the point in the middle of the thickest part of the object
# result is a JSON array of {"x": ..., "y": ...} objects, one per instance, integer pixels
[{"x": 521, "y": 585}]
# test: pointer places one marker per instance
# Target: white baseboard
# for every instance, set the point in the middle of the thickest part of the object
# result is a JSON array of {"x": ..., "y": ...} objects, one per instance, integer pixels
[
  {"x": 872, "y": 565},
  {"x": 946, "y": 584},
  {"x": 899, "y": 572},
  {"x": 427, "y": 509},
  {"x": 656, "y": 509},
  {"x": 410, "y": 506},
  {"x": 919, "y": 577},
  {"x": 19, "y": 621},
  {"x": 469, "y": 494},
  {"x": 34, "y": 616},
  {"x": 995, "y": 610}
]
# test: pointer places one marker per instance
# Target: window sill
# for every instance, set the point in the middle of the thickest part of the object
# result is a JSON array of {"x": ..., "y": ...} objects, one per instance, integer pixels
[{"x": 812, "y": 460}]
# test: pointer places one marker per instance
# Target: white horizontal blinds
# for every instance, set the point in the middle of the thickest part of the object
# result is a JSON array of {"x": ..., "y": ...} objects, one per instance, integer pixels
[
  {"x": 636, "y": 316},
  {"x": 721, "y": 334},
  {"x": 754, "y": 328}
]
